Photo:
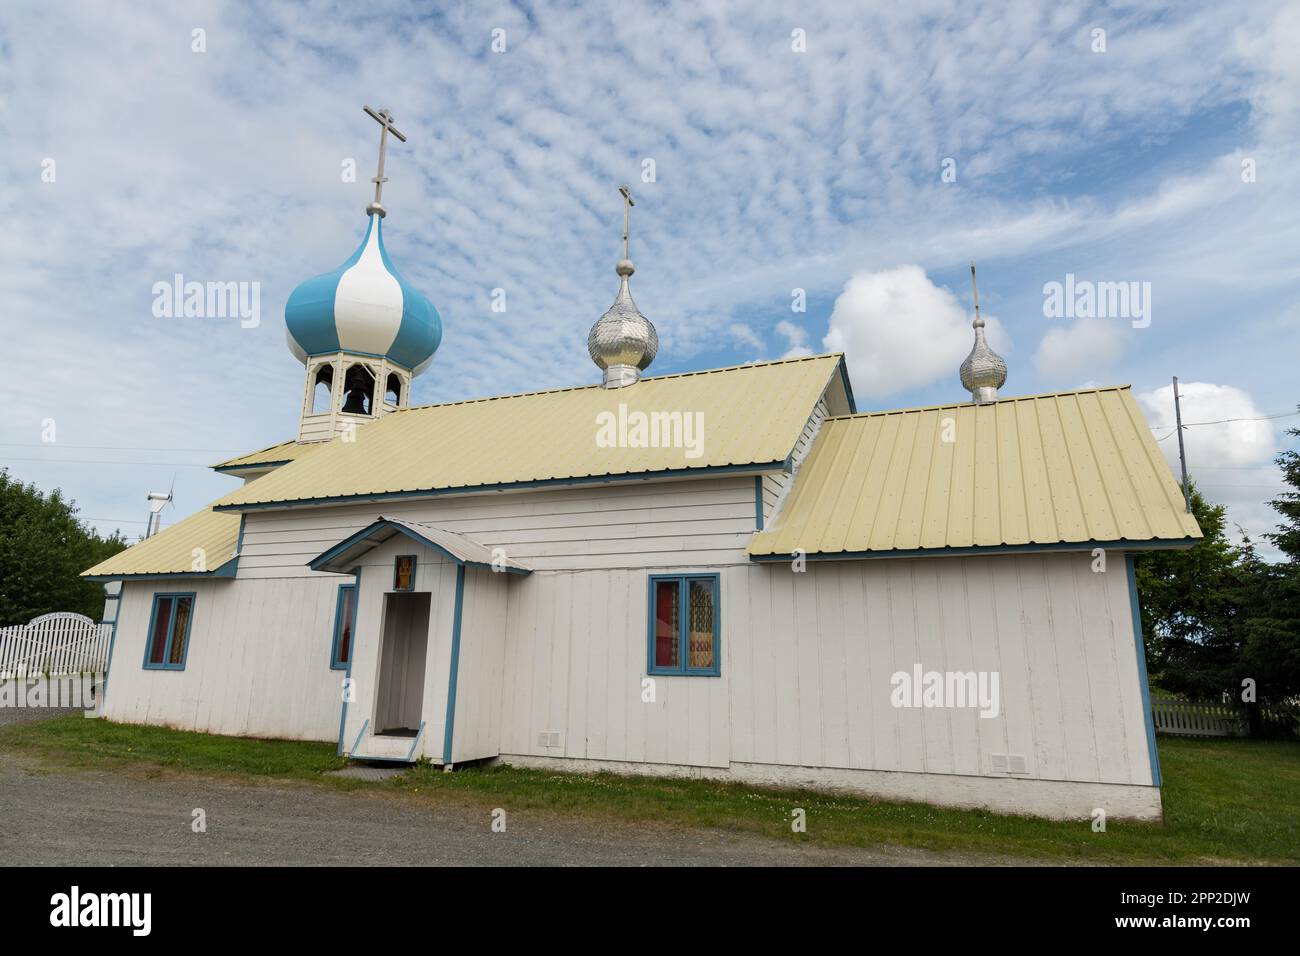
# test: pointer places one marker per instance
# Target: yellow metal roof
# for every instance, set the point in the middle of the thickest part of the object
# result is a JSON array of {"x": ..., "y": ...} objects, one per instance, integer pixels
[
  {"x": 286, "y": 451},
  {"x": 171, "y": 551},
  {"x": 1051, "y": 469},
  {"x": 752, "y": 415}
]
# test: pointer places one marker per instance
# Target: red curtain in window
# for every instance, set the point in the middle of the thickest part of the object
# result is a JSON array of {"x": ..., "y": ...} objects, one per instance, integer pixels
[
  {"x": 667, "y": 649},
  {"x": 162, "y": 623},
  {"x": 345, "y": 624}
]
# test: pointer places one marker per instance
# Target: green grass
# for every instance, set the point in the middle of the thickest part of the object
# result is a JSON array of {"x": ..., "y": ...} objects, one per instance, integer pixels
[{"x": 1226, "y": 801}]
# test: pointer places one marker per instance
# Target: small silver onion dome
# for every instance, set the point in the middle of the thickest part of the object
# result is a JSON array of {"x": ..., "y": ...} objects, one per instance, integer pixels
[
  {"x": 623, "y": 342},
  {"x": 984, "y": 370}
]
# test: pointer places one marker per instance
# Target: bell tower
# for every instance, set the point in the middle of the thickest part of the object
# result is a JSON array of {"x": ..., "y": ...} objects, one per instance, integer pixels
[{"x": 361, "y": 331}]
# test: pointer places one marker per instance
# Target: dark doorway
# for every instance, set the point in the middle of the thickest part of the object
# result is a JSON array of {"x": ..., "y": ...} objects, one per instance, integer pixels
[{"x": 400, "y": 701}]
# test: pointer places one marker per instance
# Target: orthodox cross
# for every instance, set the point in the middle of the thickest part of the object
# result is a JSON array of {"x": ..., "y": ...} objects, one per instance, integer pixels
[
  {"x": 627, "y": 208},
  {"x": 384, "y": 119}
]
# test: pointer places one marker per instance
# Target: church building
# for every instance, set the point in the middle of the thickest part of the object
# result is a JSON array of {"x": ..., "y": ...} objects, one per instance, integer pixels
[{"x": 733, "y": 573}]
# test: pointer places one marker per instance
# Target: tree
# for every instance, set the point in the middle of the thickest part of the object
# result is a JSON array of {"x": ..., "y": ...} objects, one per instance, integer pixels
[
  {"x": 1191, "y": 605},
  {"x": 43, "y": 549},
  {"x": 1272, "y": 626}
]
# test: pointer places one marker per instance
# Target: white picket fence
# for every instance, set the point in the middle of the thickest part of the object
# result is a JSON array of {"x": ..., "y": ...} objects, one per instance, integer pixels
[
  {"x": 55, "y": 644},
  {"x": 1188, "y": 718}
]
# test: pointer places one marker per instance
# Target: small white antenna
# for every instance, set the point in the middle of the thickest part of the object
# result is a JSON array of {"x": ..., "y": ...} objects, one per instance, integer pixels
[{"x": 157, "y": 501}]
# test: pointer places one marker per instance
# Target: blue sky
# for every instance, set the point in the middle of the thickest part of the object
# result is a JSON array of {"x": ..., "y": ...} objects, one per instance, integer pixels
[{"x": 775, "y": 169}]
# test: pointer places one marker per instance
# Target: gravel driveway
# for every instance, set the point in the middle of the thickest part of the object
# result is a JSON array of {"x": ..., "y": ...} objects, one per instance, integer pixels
[{"x": 142, "y": 816}]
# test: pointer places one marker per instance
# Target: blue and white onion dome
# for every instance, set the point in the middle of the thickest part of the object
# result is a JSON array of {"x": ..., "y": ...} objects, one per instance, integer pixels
[{"x": 366, "y": 307}]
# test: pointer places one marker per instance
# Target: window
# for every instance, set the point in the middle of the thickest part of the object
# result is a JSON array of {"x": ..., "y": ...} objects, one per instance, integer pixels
[
  {"x": 684, "y": 626},
  {"x": 345, "y": 619},
  {"x": 169, "y": 632},
  {"x": 393, "y": 390},
  {"x": 404, "y": 572}
]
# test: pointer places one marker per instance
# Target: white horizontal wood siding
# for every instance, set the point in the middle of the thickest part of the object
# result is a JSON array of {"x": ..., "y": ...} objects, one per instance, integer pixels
[{"x": 642, "y": 524}]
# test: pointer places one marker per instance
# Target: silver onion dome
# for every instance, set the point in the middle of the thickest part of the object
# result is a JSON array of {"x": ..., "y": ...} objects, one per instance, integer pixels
[
  {"x": 623, "y": 342},
  {"x": 984, "y": 370}
]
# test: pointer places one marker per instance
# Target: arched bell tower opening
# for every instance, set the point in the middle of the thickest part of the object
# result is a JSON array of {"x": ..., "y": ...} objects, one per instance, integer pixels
[
  {"x": 320, "y": 385},
  {"x": 358, "y": 390}
]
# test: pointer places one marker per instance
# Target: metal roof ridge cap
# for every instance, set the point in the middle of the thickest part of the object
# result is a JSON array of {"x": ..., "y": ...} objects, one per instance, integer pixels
[
  {"x": 597, "y": 385},
  {"x": 1009, "y": 398}
]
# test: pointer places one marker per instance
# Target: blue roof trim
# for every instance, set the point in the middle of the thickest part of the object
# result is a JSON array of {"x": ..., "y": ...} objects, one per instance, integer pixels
[
  {"x": 848, "y": 388},
  {"x": 755, "y": 467},
  {"x": 227, "y": 570},
  {"x": 252, "y": 466},
  {"x": 1119, "y": 545}
]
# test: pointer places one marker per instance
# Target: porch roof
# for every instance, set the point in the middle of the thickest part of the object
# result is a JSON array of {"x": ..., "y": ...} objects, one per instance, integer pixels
[{"x": 456, "y": 547}]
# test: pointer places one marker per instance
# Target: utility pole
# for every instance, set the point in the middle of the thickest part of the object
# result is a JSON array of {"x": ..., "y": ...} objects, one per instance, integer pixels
[{"x": 1182, "y": 454}]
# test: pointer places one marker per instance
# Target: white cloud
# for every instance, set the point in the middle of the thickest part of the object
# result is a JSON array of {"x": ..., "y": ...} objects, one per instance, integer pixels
[
  {"x": 1242, "y": 441},
  {"x": 1086, "y": 347},
  {"x": 796, "y": 339},
  {"x": 1231, "y": 462},
  {"x": 899, "y": 330},
  {"x": 742, "y": 336}
]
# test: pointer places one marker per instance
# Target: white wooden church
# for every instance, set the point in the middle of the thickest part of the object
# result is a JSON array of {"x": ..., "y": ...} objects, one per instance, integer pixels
[{"x": 731, "y": 573}]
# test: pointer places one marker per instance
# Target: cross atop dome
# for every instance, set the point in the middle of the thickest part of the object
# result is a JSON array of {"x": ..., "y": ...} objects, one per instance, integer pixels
[{"x": 384, "y": 119}]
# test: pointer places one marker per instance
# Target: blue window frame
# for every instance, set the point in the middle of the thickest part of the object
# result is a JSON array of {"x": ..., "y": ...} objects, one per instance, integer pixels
[
  {"x": 684, "y": 627},
  {"x": 345, "y": 624},
  {"x": 167, "y": 642}
]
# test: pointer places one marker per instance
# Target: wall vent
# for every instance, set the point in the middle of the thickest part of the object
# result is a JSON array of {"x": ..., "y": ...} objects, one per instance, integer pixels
[{"x": 548, "y": 738}]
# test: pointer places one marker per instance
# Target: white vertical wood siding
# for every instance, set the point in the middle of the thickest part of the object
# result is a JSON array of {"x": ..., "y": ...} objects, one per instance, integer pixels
[
  {"x": 807, "y": 662},
  {"x": 258, "y": 662},
  {"x": 477, "y": 730}
]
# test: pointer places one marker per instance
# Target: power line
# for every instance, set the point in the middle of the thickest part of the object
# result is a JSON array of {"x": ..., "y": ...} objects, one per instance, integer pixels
[
  {"x": 96, "y": 461},
  {"x": 50, "y": 444},
  {"x": 1225, "y": 421}
]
